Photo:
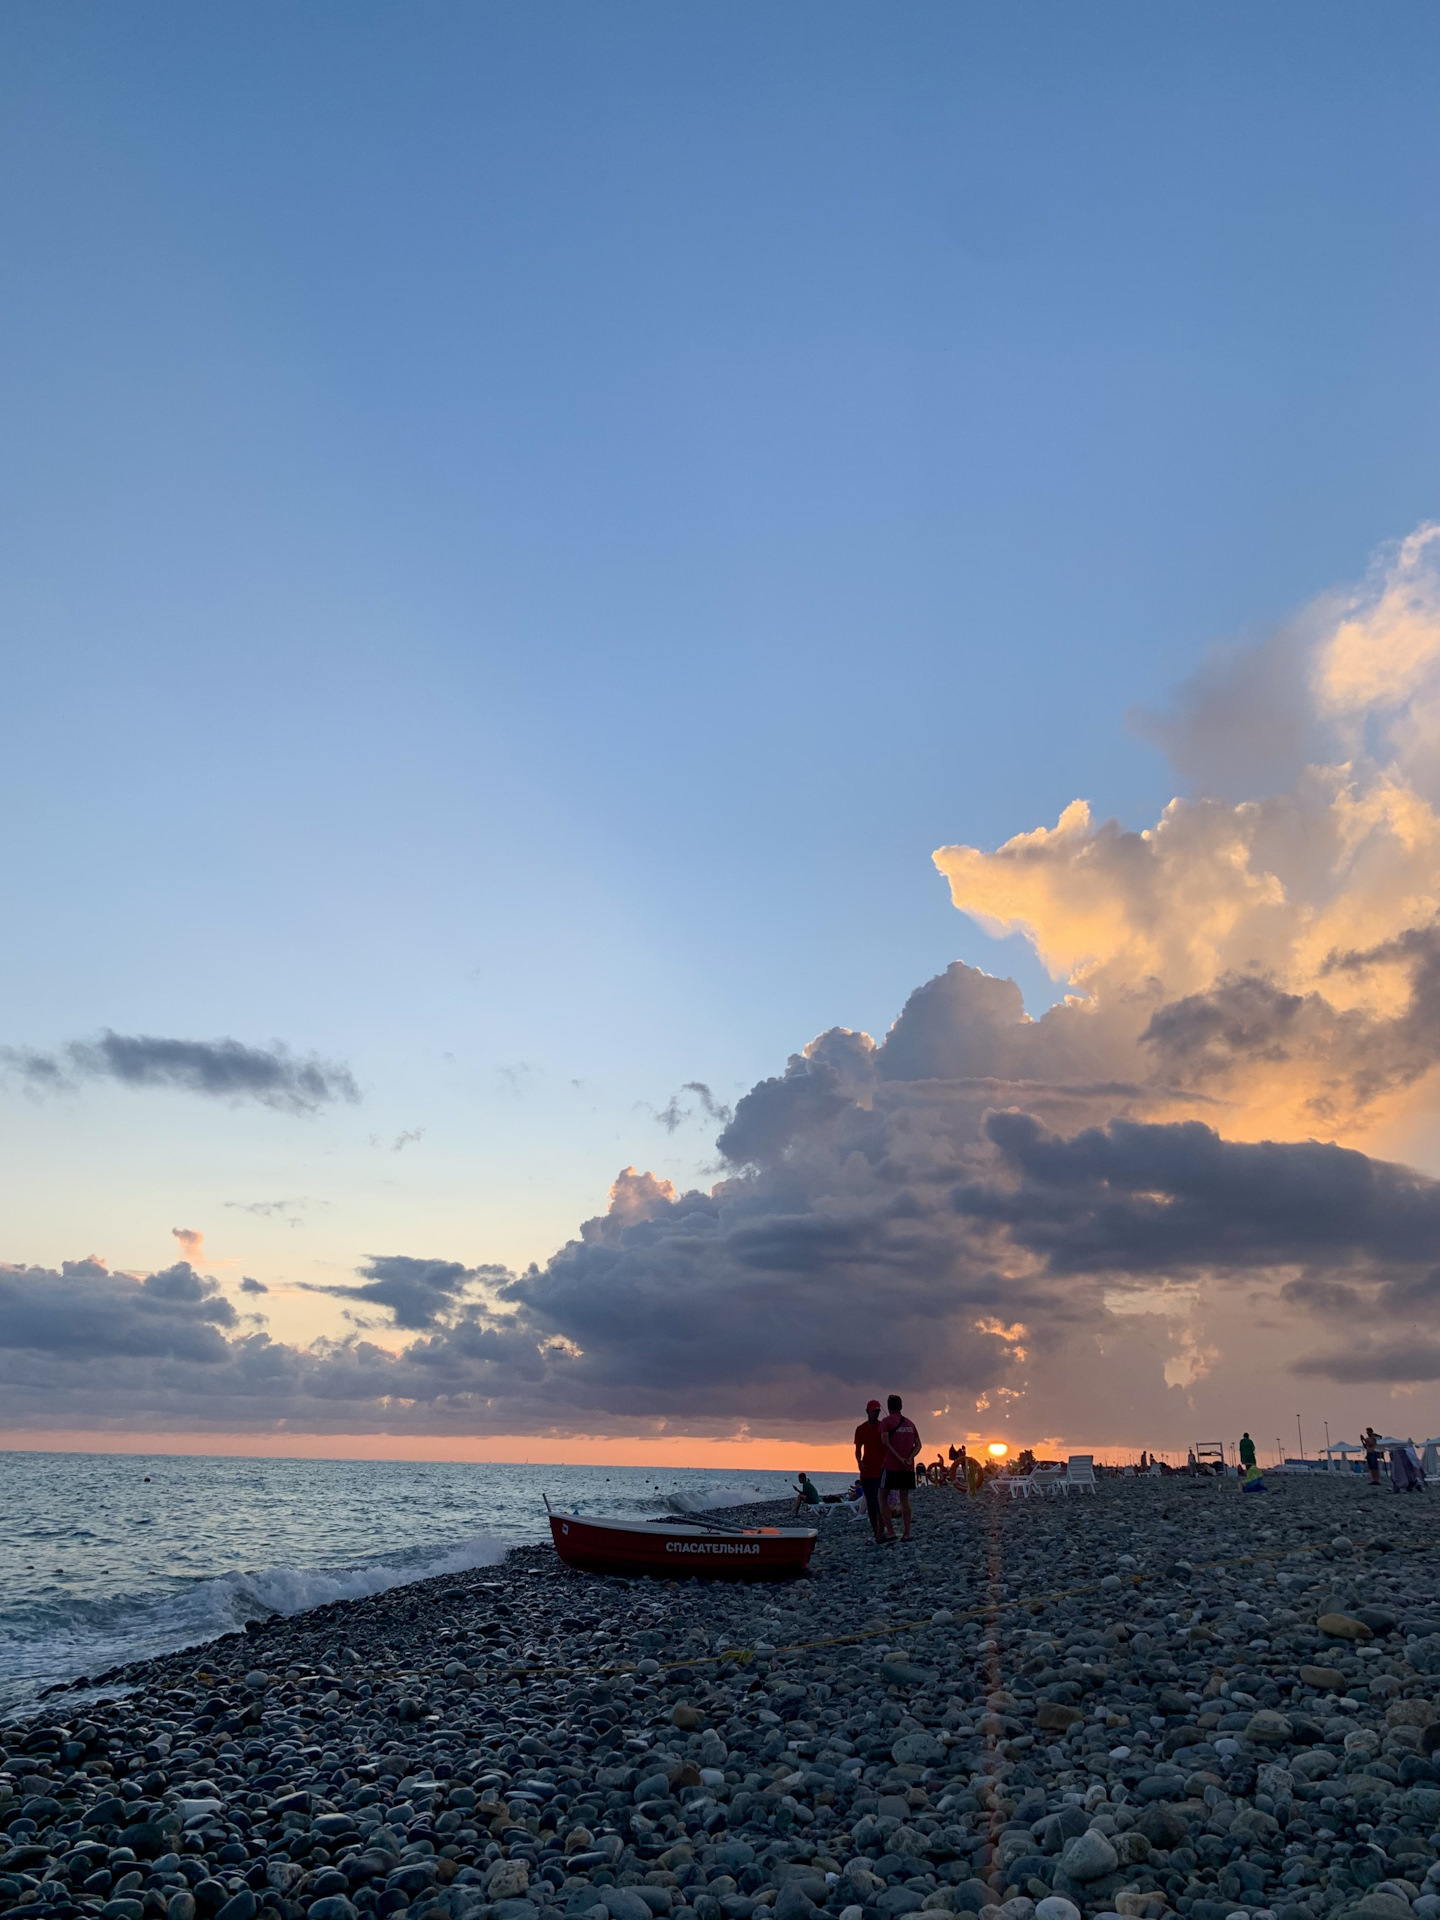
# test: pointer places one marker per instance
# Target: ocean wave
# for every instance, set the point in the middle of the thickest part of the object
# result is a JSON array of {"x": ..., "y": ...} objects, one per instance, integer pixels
[
  {"x": 50, "y": 1641},
  {"x": 712, "y": 1498}
]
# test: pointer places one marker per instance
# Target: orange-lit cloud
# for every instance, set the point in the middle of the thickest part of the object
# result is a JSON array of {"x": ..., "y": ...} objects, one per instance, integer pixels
[{"x": 1278, "y": 955}]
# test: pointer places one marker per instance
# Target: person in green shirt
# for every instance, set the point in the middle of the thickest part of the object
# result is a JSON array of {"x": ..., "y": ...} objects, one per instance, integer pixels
[
  {"x": 1247, "y": 1451},
  {"x": 807, "y": 1494}
]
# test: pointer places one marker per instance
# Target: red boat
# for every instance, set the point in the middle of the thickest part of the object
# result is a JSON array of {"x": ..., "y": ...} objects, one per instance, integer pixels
[{"x": 673, "y": 1549}]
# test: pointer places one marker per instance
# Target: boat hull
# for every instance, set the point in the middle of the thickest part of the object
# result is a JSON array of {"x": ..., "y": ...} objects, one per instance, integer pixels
[{"x": 681, "y": 1552}]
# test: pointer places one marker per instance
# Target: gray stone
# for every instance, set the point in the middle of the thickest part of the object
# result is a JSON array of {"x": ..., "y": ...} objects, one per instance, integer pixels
[
  {"x": 1088, "y": 1857},
  {"x": 623, "y": 1903},
  {"x": 507, "y": 1880},
  {"x": 332, "y": 1906},
  {"x": 918, "y": 1749},
  {"x": 1269, "y": 1729},
  {"x": 240, "y": 1906},
  {"x": 1162, "y": 1827},
  {"x": 904, "y": 1673},
  {"x": 893, "y": 1900},
  {"x": 1380, "y": 1906},
  {"x": 1056, "y": 1908},
  {"x": 972, "y": 1895},
  {"x": 792, "y": 1902}
]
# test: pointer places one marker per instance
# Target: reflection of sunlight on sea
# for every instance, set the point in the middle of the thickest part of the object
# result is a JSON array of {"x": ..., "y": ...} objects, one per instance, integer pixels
[{"x": 106, "y": 1558}]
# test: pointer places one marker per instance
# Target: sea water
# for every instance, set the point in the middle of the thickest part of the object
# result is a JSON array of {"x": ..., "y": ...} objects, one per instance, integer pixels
[{"x": 108, "y": 1558}]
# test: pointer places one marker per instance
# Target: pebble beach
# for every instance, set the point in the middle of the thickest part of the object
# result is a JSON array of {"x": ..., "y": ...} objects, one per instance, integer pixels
[{"x": 1170, "y": 1698}]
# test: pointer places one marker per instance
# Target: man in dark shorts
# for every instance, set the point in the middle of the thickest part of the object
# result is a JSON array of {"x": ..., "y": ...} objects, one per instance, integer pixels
[
  {"x": 870, "y": 1462},
  {"x": 902, "y": 1450}
]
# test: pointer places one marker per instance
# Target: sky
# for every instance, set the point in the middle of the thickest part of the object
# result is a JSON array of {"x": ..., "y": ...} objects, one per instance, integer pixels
[{"x": 522, "y": 532}]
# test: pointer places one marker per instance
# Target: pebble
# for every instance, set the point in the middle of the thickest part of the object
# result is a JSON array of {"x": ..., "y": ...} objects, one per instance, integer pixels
[{"x": 1013, "y": 1738}]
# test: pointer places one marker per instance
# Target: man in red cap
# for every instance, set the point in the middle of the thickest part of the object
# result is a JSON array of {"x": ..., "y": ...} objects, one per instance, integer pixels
[{"x": 870, "y": 1459}]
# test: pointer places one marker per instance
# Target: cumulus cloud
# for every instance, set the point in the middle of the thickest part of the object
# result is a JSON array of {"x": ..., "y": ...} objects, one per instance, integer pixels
[
  {"x": 1181, "y": 1177},
  {"x": 192, "y": 1243},
  {"x": 1276, "y": 953},
  {"x": 86, "y": 1313},
  {"x": 221, "y": 1069},
  {"x": 417, "y": 1293}
]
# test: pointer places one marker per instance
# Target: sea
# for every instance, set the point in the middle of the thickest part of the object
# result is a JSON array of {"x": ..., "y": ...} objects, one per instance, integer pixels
[{"x": 108, "y": 1558}]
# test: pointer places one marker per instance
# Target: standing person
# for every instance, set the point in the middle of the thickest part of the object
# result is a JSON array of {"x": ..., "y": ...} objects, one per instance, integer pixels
[
  {"x": 870, "y": 1463},
  {"x": 958, "y": 1464},
  {"x": 902, "y": 1449},
  {"x": 1370, "y": 1440},
  {"x": 1247, "y": 1451}
]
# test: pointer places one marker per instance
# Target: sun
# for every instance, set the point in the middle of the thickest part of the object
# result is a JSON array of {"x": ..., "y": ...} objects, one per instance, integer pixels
[{"x": 997, "y": 1449}]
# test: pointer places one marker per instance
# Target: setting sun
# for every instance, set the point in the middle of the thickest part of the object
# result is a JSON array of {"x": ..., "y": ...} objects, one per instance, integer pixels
[{"x": 997, "y": 1449}]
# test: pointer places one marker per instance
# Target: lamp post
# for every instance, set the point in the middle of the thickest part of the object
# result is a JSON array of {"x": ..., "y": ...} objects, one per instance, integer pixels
[{"x": 1300, "y": 1431}]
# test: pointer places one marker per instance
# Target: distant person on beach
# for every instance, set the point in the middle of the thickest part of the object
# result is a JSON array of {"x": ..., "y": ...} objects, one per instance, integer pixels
[
  {"x": 1191, "y": 1463},
  {"x": 870, "y": 1463},
  {"x": 807, "y": 1494},
  {"x": 1247, "y": 1451},
  {"x": 854, "y": 1500},
  {"x": 1370, "y": 1441},
  {"x": 902, "y": 1450},
  {"x": 958, "y": 1464}
]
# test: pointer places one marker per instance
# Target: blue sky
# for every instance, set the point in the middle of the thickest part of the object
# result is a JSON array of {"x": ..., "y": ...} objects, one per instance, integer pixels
[{"x": 522, "y": 527}]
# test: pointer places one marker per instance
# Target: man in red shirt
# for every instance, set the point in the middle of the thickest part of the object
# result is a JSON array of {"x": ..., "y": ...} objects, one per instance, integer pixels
[
  {"x": 870, "y": 1461},
  {"x": 902, "y": 1450}
]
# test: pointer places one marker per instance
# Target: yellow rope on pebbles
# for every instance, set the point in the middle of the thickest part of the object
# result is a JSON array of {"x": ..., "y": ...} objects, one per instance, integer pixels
[{"x": 743, "y": 1656}]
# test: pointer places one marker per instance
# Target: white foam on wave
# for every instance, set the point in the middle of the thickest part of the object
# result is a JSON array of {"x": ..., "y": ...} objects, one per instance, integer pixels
[
  {"x": 682, "y": 1501},
  {"x": 237, "y": 1597},
  {"x": 131, "y": 1628}
]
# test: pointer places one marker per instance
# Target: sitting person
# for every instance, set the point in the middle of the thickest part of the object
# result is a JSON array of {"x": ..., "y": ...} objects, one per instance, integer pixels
[{"x": 806, "y": 1494}]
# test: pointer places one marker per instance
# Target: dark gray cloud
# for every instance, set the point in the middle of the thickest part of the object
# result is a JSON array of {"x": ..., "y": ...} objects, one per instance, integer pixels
[
  {"x": 931, "y": 1214},
  {"x": 1348, "y": 1058},
  {"x": 1365, "y": 1361},
  {"x": 1145, "y": 1198},
  {"x": 247, "y": 1285},
  {"x": 84, "y": 1312},
  {"x": 674, "y": 1115},
  {"x": 418, "y": 1293},
  {"x": 220, "y": 1069}
]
